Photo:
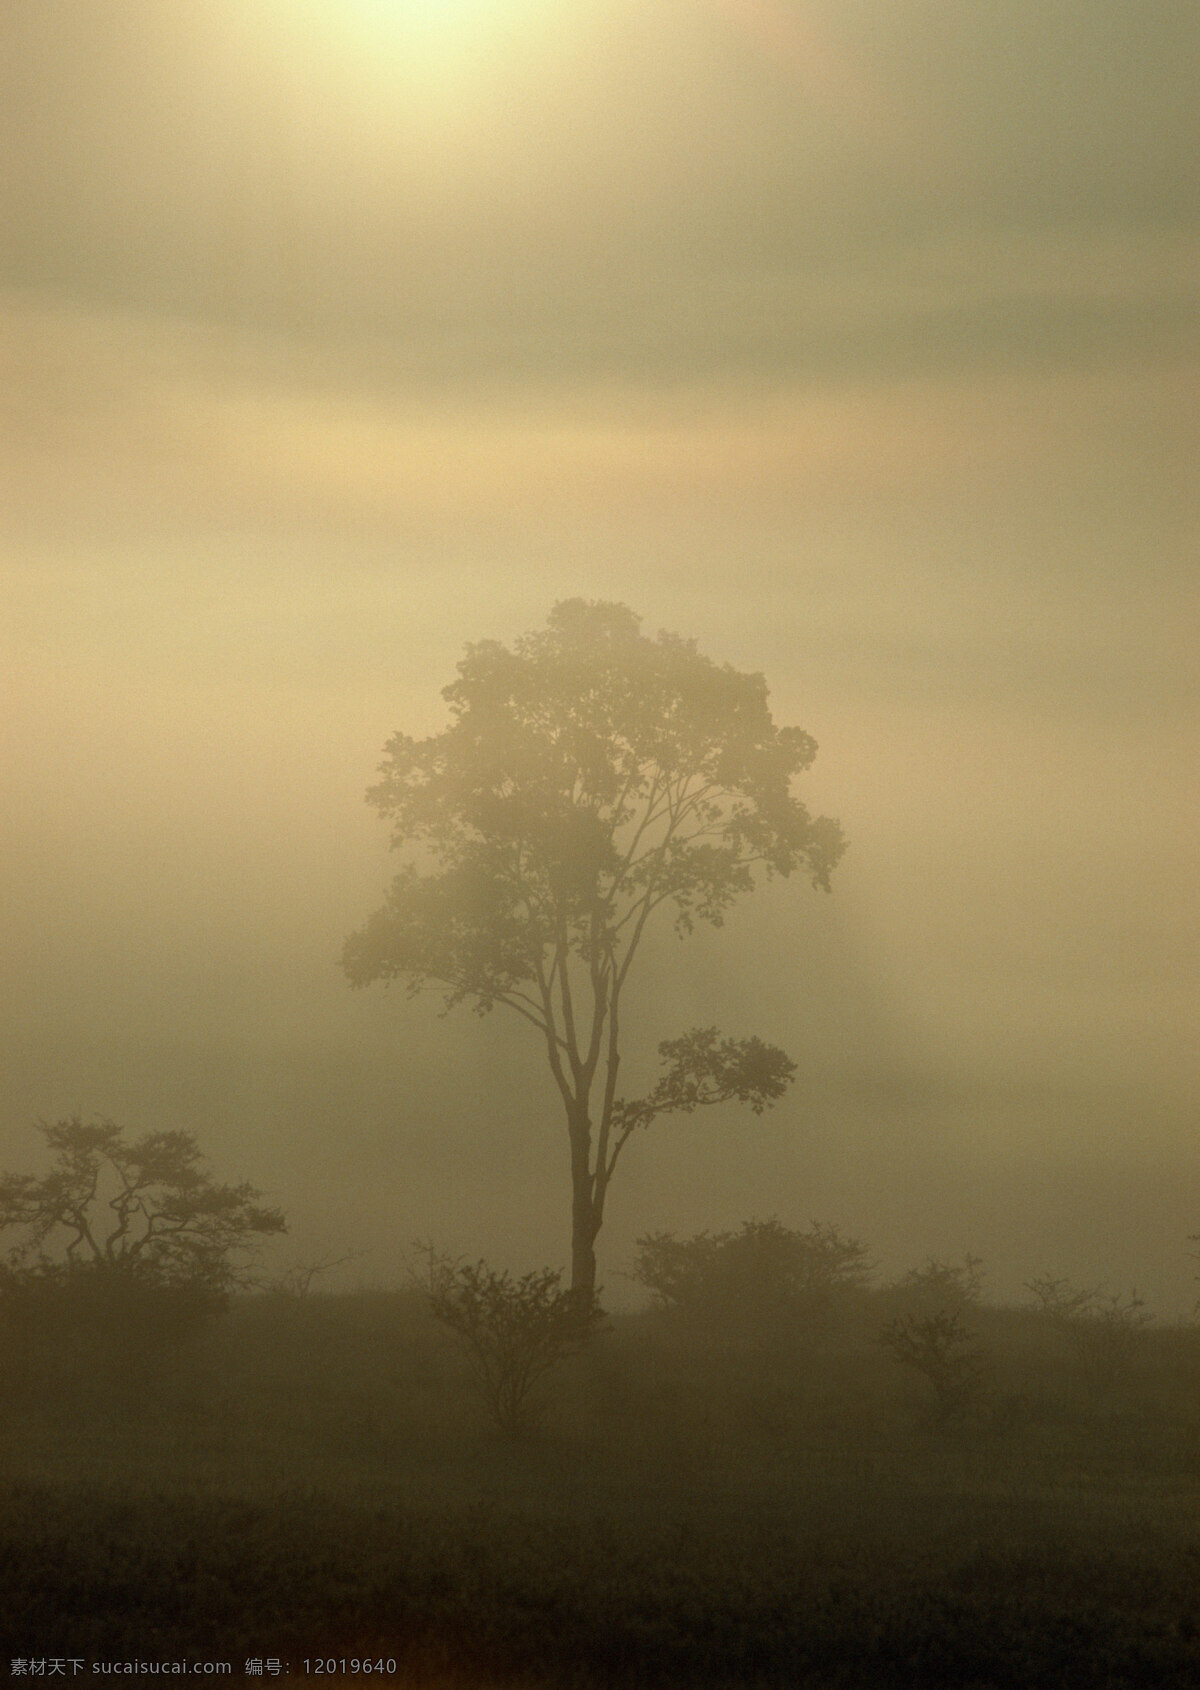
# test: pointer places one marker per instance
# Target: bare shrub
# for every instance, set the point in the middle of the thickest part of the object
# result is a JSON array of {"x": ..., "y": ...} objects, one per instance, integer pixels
[
  {"x": 1110, "y": 1335},
  {"x": 298, "y": 1278},
  {"x": 1105, "y": 1326},
  {"x": 512, "y": 1330},
  {"x": 1059, "y": 1300}
]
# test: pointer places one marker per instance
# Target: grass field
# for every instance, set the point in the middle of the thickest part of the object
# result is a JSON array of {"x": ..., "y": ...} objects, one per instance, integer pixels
[{"x": 311, "y": 1480}]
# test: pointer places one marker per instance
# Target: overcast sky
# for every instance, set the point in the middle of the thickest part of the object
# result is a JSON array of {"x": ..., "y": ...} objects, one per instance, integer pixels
[{"x": 856, "y": 339}]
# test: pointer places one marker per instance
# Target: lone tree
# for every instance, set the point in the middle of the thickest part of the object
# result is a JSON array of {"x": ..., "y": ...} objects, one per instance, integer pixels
[{"x": 590, "y": 777}]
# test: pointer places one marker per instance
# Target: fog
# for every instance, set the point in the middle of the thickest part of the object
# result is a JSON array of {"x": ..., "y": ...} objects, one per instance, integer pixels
[{"x": 857, "y": 342}]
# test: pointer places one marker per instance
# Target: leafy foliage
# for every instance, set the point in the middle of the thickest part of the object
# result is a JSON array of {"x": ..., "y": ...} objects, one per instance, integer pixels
[
  {"x": 114, "y": 1210},
  {"x": 513, "y": 1330},
  {"x": 702, "y": 1068},
  {"x": 590, "y": 777},
  {"x": 765, "y": 1274}
]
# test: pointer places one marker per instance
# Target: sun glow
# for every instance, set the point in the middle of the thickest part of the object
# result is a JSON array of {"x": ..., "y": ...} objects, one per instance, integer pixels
[
  {"x": 433, "y": 72},
  {"x": 428, "y": 21},
  {"x": 415, "y": 40}
]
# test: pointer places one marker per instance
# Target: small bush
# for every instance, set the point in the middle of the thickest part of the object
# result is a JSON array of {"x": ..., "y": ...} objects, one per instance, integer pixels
[
  {"x": 1059, "y": 1300},
  {"x": 1110, "y": 1335},
  {"x": 941, "y": 1348},
  {"x": 513, "y": 1331}
]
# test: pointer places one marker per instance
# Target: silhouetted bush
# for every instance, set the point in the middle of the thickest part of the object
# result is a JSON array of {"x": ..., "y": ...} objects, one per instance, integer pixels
[
  {"x": 765, "y": 1280},
  {"x": 941, "y": 1348},
  {"x": 61, "y": 1300},
  {"x": 513, "y": 1331},
  {"x": 1105, "y": 1328},
  {"x": 1060, "y": 1301},
  {"x": 66, "y": 1323},
  {"x": 938, "y": 1287}
]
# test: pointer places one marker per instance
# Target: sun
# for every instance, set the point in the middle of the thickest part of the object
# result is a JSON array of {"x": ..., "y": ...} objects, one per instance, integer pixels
[
  {"x": 430, "y": 30},
  {"x": 417, "y": 18},
  {"x": 430, "y": 56}
]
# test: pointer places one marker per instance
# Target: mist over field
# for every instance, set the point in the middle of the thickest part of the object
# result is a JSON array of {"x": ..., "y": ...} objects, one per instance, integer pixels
[{"x": 856, "y": 342}]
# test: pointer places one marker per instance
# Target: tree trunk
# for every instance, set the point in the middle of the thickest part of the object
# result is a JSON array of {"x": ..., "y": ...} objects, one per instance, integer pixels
[
  {"x": 583, "y": 1219},
  {"x": 583, "y": 1265}
]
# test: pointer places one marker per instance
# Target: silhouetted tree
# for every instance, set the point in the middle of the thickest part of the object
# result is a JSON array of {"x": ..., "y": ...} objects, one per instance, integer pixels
[
  {"x": 123, "y": 1231},
  {"x": 591, "y": 777}
]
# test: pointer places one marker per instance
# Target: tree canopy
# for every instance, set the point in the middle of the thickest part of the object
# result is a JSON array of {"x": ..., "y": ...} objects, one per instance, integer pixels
[
  {"x": 590, "y": 777},
  {"x": 143, "y": 1207}
]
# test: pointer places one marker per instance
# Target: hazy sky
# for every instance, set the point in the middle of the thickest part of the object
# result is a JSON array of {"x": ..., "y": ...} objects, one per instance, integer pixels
[{"x": 855, "y": 338}]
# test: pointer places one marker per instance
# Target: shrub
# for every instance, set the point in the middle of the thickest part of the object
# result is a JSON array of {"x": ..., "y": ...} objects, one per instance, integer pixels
[
  {"x": 1105, "y": 1326},
  {"x": 765, "y": 1278},
  {"x": 1110, "y": 1335},
  {"x": 1059, "y": 1300},
  {"x": 941, "y": 1348},
  {"x": 298, "y": 1279},
  {"x": 75, "y": 1324},
  {"x": 938, "y": 1287},
  {"x": 513, "y": 1331}
]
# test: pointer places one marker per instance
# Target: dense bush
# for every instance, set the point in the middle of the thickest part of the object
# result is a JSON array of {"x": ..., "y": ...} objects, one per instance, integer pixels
[{"x": 766, "y": 1279}]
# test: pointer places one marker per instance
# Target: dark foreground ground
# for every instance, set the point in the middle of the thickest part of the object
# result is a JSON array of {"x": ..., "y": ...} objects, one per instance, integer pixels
[{"x": 310, "y": 1482}]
